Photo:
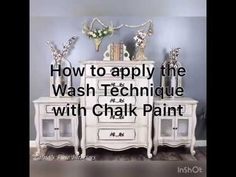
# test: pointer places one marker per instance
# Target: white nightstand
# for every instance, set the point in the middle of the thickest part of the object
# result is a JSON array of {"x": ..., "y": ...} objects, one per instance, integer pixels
[
  {"x": 176, "y": 130},
  {"x": 55, "y": 131}
]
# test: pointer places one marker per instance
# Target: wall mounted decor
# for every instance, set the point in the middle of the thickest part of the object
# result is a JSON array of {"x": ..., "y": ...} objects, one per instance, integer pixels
[
  {"x": 171, "y": 80},
  {"x": 98, "y": 34},
  {"x": 60, "y": 61}
]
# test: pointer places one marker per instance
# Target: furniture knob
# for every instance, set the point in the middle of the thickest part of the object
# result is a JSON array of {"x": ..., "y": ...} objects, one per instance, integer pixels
[
  {"x": 56, "y": 128},
  {"x": 175, "y": 128}
]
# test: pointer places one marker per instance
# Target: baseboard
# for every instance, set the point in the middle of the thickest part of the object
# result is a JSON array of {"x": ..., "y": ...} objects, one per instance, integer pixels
[
  {"x": 32, "y": 144},
  {"x": 199, "y": 143}
]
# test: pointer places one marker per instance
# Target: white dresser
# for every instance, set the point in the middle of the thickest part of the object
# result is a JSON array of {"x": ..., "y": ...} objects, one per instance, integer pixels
[
  {"x": 175, "y": 130},
  {"x": 115, "y": 133},
  {"x": 56, "y": 131}
]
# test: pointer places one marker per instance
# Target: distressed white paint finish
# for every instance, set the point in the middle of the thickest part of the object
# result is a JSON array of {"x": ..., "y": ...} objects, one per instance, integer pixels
[
  {"x": 172, "y": 138},
  {"x": 62, "y": 135},
  {"x": 116, "y": 135}
]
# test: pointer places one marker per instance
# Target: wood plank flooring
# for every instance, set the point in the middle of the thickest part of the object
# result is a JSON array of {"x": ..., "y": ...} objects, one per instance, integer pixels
[{"x": 164, "y": 154}]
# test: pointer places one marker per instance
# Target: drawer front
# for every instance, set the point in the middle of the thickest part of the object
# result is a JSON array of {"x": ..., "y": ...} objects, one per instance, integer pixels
[
  {"x": 111, "y": 135},
  {"x": 116, "y": 119},
  {"x": 118, "y": 83},
  {"x": 114, "y": 83},
  {"x": 186, "y": 110},
  {"x": 117, "y": 100},
  {"x": 93, "y": 120},
  {"x": 47, "y": 109},
  {"x": 109, "y": 100},
  {"x": 137, "y": 101},
  {"x": 116, "y": 134}
]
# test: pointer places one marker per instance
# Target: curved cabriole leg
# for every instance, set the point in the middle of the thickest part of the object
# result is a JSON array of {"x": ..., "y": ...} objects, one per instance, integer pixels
[
  {"x": 193, "y": 131},
  {"x": 36, "y": 119},
  {"x": 149, "y": 145},
  {"x": 155, "y": 149},
  {"x": 83, "y": 155},
  {"x": 83, "y": 141},
  {"x": 192, "y": 147},
  {"x": 38, "y": 152},
  {"x": 76, "y": 150},
  {"x": 155, "y": 141},
  {"x": 149, "y": 154},
  {"x": 76, "y": 145}
]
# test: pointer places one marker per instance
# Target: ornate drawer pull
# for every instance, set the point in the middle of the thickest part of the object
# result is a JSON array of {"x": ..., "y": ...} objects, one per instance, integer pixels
[{"x": 119, "y": 117}]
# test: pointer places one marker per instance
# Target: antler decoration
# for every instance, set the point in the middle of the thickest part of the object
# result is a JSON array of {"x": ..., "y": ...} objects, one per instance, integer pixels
[
  {"x": 97, "y": 34},
  {"x": 62, "y": 54}
]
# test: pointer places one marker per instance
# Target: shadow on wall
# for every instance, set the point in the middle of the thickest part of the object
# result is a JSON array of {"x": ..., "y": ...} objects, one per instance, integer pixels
[
  {"x": 201, "y": 123},
  {"x": 130, "y": 46}
]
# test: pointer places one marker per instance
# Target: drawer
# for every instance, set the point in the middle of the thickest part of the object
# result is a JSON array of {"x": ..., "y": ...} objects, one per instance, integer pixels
[
  {"x": 47, "y": 109},
  {"x": 116, "y": 100},
  {"x": 186, "y": 110},
  {"x": 137, "y": 101},
  {"x": 116, "y": 134},
  {"x": 110, "y": 135},
  {"x": 110, "y": 100},
  {"x": 93, "y": 120},
  {"x": 114, "y": 83}
]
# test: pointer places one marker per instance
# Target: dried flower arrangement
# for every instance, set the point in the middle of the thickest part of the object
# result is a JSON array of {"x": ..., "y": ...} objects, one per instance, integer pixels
[
  {"x": 60, "y": 58},
  {"x": 98, "y": 33},
  {"x": 140, "y": 42},
  {"x": 57, "y": 54}
]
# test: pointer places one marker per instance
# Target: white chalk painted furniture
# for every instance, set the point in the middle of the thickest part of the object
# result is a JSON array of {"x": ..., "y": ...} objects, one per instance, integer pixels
[
  {"x": 115, "y": 133},
  {"x": 176, "y": 130},
  {"x": 55, "y": 131}
]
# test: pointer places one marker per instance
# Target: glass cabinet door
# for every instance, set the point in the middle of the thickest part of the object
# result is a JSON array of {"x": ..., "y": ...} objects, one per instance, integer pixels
[
  {"x": 65, "y": 128},
  {"x": 166, "y": 128},
  {"x": 183, "y": 128},
  {"x": 48, "y": 129}
]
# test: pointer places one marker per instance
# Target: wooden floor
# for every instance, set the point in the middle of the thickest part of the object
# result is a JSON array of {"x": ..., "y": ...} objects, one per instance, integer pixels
[
  {"x": 129, "y": 163},
  {"x": 164, "y": 154}
]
